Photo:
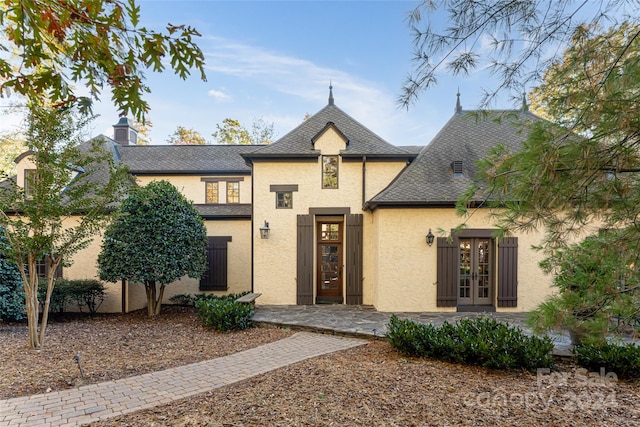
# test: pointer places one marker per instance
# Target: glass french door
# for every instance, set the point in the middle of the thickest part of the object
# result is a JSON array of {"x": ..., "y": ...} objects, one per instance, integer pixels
[
  {"x": 475, "y": 276},
  {"x": 329, "y": 276}
]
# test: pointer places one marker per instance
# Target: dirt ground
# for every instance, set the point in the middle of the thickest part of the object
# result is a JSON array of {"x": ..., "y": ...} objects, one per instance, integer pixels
[{"x": 370, "y": 385}]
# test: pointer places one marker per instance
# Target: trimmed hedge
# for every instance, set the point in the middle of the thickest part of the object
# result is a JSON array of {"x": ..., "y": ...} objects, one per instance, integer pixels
[
  {"x": 482, "y": 341},
  {"x": 623, "y": 360},
  {"x": 192, "y": 299},
  {"x": 85, "y": 294},
  {"x": 224, "y": 314}
]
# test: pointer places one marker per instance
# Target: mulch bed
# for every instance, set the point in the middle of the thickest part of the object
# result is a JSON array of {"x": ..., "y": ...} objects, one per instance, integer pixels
[{"x": 371, "y": 385}]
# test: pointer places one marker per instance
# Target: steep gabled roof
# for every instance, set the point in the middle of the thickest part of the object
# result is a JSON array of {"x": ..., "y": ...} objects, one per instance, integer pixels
[
  {"x": 186, "y": 159},
  {"x": 299, "y": 142},
  {"x": 467, "y": 137}
]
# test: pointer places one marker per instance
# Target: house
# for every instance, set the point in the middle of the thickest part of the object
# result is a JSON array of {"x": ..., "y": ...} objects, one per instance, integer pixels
[{"x": 332, "y": 213}]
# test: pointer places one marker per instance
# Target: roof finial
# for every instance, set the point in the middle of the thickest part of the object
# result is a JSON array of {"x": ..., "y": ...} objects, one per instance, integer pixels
[
  {"x": 458, "y": 106},
  {"x": 525, "y": 107},
  {"x": 330, "y": 93}
]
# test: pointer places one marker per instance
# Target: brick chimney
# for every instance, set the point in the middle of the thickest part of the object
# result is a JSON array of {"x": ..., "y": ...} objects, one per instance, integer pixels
[{"x": 124, "y": 133}]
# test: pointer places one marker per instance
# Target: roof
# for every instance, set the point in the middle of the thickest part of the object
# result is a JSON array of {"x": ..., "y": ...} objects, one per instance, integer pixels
[
  {"x": 186, "y": 159},
  {"x": 467, "y": 137},
  {"x": 225, "y": 211},
  {"x": 360, "y": 140}
]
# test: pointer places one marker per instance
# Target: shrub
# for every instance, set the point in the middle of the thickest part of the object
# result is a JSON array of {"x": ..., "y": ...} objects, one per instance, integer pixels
[
  {"x": 482, "y": 341},
  {"x": 12, "y": 304},
  {"x": 84, "y": 293},
  {"x": 224, "y": 314},
  {"x": 191, "y": 300},
  {"x": 623, "y": 360}
]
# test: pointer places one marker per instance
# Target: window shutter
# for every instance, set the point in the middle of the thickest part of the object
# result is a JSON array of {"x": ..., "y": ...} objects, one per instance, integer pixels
[
  {"x": 215, "y": 277},
  {"x": 354, "y": 259},
  {"x": 447, "y": 274},
  {"x": 508, "y": 272},
  {"x": 304, "y": 281}
]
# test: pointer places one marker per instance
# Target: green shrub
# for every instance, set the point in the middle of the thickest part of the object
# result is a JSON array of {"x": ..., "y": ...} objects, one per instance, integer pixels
[
  {"x": 482, "y": 341},
  {"x": 623, "y": 360},
  {"x": 12, "y": 305},
  {"x": 87, "y": 294},
  {"x": 224, "y": 314},
  {"x": 191, "y": 300}
]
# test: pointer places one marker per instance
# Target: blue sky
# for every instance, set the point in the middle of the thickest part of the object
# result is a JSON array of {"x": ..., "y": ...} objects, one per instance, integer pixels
[{"x": 274, "y": 60}]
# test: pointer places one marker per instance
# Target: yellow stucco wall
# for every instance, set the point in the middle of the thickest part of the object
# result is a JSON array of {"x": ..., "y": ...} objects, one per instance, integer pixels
[
  {"x": 193, "y": 187},
  {"x": 275, "y": 258},
  {"x": 406, "y": 268}
]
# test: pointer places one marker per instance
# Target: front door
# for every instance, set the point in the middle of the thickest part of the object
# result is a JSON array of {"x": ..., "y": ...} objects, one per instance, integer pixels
[
  {"x": 329, "y": 278},
  {"x": 474, "y": 279}
]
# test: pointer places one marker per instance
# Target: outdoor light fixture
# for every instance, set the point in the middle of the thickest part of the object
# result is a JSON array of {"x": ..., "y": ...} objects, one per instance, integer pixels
[
  {"x": 430, "y": 238},
  {"x": 264, "y": 231}
]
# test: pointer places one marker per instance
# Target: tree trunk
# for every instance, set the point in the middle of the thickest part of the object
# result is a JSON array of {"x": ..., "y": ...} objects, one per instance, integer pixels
[
  {"x": 30, "y": 281},
  {"x": 51, "y": 280},
  {"x": 158, "y": 306},
  {"x": 150, "y": 288}
]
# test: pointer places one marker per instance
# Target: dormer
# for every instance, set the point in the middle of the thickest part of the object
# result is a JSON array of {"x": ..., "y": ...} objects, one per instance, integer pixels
[
  {"x": 330, "y": 140},
  {"x": 26, "y": 171}
]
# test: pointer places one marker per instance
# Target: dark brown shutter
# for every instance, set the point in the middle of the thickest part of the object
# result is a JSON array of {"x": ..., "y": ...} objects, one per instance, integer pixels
[
  {"x": 447, "y": 275},
  {"x": 304, "y": 287},
  {"x": 215, "y": 277},
  {"x": 508, "y": 272},
  {"x": 354, "y": 259}
]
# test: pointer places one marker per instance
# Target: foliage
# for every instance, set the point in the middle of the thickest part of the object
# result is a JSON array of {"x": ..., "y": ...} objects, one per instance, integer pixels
[
  {"x": 482, "y": 341},
  {"x": 11, "y": 287},
  {"x": 184, "y": 136},
  {"x": 84, "y": 294},
  {"x": 514, "y": 40},
  {"x": 156, "y": 238},
  {"x": 144, "y": 130},
  {"x": 599, "y": 290},
  {"x": 233, "y": 133},
  {"x": 51, "y": 46},
  {"x": 224, "y": 314},
  {"x": 623, "y": 360},
  {"x": 191, "y": 300},
  {"x": 70, "y": 178},
  {"x": 11, "y": 146}
]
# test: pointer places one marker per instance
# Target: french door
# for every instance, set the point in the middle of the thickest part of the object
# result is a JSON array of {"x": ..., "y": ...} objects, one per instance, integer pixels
[{"x": 475, "y": 282}]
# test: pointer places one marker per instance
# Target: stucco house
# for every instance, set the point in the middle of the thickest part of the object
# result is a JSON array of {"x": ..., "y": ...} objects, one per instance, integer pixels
[{"x": 332, "y": 213}]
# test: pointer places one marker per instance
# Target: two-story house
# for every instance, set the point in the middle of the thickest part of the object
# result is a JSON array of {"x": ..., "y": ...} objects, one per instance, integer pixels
[{"x": 332, "y": 213}]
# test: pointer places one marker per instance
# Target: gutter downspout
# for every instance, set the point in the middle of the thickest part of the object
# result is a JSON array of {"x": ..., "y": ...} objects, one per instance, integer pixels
[{"x": 364, "y": 180}]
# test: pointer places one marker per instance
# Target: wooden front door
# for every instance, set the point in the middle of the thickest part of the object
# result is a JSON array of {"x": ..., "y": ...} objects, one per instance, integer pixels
[
  {"x": 329, "y": 277},
  {"x": 474, "y": 279}
]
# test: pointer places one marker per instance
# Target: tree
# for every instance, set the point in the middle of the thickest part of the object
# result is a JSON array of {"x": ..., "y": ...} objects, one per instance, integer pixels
[
  {"x": 157, "y": 238},
  {"x": 62, "y": 206},
  {"x": 233, "y": 133},
  {"x": 184, "y": 136},
  {"x": 516, "y": 40},
  {"x": 144, "y": 130},
  {"x": 52, "y": 45},
  {"x": 11, "y": 287},
  {"x": 577, "y": 177}
]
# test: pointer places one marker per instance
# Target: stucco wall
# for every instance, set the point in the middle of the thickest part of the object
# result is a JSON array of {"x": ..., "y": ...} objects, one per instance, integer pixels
[
  {"x": 275, "y": 258},
  {"x": 406, "y": 268},
  {"x": 193, "y": 187}
]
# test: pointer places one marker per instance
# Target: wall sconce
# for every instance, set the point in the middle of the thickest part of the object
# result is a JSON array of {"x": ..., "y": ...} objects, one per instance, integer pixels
[
  {"x": 430, "y": 238},
  {"x": 264, "y": 231}
]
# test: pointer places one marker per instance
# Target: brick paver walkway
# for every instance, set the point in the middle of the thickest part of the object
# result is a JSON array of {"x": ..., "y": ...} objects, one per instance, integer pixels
[{"x": 112, "y": 398}]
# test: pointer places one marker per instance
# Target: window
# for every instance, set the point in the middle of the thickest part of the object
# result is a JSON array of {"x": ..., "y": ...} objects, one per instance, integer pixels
[
  {"x": 215, "y": 276},
  {"x": 42, "y": 269},
  {"x": 329, "y": 171},
  {"x": 284, "y": 200},
  {"x": 29, "y": 182},
  {"x": 233, "y": 192},
  {"x": 456, "y": 166},
  {"x": 211, "y": 195}
]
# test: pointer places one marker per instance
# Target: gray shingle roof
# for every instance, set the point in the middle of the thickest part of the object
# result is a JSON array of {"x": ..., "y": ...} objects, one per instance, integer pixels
[
  {"x": 197, "y": 159},
  {"x": 466, "y": 137},
  {"x": 298, "y": 143},
  {"x": 224, "y": 211}
]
